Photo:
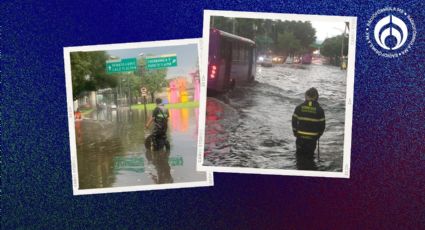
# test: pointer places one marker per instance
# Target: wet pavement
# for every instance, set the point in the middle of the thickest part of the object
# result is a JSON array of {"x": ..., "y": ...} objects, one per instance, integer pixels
[
  {"x": 111, "y": 150},
  {"x": 253, "y": 127}
]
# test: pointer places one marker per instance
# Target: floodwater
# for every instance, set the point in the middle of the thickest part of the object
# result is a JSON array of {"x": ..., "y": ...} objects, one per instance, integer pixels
[
  {"x": 111, "y": 151},
  {"x": 253, "y": 127}
]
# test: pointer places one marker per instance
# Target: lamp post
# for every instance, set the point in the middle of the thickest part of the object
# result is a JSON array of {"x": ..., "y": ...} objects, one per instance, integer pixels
[
  {"x": 116, "y": 89},
  {"x": 144, "y": 96},
  {"x": 234, "y": 25},
  {"x": 129, "y": 92},
  {"x": 341, "y": 64}
]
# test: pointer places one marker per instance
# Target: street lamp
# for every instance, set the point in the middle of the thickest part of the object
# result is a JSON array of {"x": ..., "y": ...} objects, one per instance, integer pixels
[
  {"x": 116, "y": 88},
  {"x": 342, "y": 44},
  {"x": 141, "y": 55}
]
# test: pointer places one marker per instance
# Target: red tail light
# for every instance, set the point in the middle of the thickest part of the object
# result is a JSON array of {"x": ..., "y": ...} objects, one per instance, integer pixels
[{"x": 213, "y": 69}]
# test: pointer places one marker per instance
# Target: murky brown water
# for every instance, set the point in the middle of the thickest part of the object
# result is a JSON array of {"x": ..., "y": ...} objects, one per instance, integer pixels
[
  {"x": 111, "y": 151},
  {"x": 253, "y": 128}
]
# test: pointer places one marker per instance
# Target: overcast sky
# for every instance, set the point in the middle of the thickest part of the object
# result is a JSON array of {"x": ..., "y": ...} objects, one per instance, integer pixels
[
  {"x": 326, "y": 29},
  {"x": 187, "y": 57}
]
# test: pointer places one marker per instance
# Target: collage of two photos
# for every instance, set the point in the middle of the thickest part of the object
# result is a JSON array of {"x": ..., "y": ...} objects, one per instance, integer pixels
[{"x": 268, "y": 94}]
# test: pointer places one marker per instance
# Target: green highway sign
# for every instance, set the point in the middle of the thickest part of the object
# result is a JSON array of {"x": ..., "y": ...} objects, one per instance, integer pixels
[
  {"x": 121, "y": 65},
  {"x": 161, "y": 62}
]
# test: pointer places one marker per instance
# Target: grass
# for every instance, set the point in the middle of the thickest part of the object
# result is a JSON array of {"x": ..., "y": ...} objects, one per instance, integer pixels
[
  {"x": 86, "y": 111},
  {"x": 185, "y": 105}
]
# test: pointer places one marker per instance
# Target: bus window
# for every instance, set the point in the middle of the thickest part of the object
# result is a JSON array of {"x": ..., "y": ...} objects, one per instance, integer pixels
[
  {"x": 242, "y": 53},
  {"x": 246, "y": 54},
  {"x": 223, "y": 47},
  {"x": 235, "y": 52}
]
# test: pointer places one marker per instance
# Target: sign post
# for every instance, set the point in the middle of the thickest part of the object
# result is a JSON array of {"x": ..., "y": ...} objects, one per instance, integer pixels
[
  {"x": 122, "y": 65},
  {"x": 144, "y": 91}
]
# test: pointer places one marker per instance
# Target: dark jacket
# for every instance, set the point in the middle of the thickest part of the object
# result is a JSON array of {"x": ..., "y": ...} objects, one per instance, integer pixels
[
  {"x": 308, "y": 120},
  {"x": 160, "y": 116}
]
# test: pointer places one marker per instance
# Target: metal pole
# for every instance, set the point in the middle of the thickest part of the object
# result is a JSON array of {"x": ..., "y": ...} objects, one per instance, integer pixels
[
  {"x": 129, "y": 92},
  {"x": 342, "y": 50},
  {"x": 116, "y": 97},
  {"x": 318, "y": 150},
  {"x": 120, "y": 94},
  {"x": 144, "y": 102}
]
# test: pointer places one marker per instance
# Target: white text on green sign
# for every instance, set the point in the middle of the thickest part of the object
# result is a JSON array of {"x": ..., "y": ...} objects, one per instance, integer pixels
[
  {"x": 122, "y": 65},
  {"x": 161, "y": 62}
]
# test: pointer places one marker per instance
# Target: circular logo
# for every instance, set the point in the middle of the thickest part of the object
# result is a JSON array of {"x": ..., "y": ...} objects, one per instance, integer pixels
[{"x": 390, "y": 32}]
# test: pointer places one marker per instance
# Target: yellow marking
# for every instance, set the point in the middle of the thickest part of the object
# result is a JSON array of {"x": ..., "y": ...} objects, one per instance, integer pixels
[
  {"x": 308, "y": 109},
  {"x": 309, "y": 119},
  {"x": 308, "y": 133}
]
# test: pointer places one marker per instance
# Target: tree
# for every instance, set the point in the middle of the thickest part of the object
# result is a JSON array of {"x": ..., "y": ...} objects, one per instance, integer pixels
[
  {"x": 268, "y": 34},
  {"x": 331, "y": 48},
  {"x": 222, "y": 23},
  {"x": 288, "y": 44},
  {"x": 152, "y": 80},
  {"x": 88, "y": 72},
  {"x": 299, "y": 35}
]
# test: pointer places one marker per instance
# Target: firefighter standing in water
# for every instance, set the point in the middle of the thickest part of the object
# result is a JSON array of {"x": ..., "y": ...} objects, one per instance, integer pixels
[
  {"x": 308, "y": 125},
  {"x": 160, "y": 119}
]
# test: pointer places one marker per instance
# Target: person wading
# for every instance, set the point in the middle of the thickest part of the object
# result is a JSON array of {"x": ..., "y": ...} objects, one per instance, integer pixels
[
  {"x": 308, "y": 125},
  {"x": 159, "y": 117}
]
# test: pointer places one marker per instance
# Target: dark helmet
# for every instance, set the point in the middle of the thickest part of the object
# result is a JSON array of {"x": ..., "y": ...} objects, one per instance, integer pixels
[
  {"x": 312, "y": 93},
  {"x": 158, "y": 101}
]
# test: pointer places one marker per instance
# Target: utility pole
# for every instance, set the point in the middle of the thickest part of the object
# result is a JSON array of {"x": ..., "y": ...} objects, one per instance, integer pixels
[
  {"x": 343, "y": 65},
  {"x": 234, "y": 26},
  {"x": 129, "y": 92},
  {"x": 342, "y": 45},
  {"x": 143, "y": 92}
]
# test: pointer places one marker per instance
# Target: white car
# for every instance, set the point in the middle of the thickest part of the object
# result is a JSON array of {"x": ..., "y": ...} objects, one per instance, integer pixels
[{"x": 265, "y": 61}]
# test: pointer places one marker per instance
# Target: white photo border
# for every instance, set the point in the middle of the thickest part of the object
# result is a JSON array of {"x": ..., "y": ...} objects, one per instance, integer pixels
[
  {"x": 348, "y": 101},
  {"x": 209, "y": 180}
]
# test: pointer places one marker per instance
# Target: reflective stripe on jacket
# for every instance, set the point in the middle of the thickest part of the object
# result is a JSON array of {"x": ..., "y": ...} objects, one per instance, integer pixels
[{"x": 308, "y": 120}]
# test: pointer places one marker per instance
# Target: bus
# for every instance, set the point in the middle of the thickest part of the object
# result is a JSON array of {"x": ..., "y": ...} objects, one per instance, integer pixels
[
  {"x": 231, "y": 61},
  {"x": 307, "y": 58}
]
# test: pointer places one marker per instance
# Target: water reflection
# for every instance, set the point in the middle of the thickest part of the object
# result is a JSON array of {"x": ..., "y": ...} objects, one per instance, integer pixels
[
  {"x": 111, "y": 151},
  {"x": 180, "y": 119},
  {"x": 160, "y": 160}
]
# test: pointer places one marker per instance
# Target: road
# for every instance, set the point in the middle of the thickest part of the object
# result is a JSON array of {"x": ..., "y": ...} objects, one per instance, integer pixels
[{"x": 253, "y": 128}]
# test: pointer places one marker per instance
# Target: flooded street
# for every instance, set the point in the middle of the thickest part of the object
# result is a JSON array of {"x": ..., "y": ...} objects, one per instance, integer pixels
[
  {"x": 253, "y": 128},
  {"x": 111, "y": 150}
]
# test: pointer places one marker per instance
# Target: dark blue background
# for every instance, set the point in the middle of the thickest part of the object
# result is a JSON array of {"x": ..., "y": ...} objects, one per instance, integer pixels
[{"x": 387, "y": 184}]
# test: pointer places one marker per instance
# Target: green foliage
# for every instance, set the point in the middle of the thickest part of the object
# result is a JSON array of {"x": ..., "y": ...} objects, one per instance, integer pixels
[
  {"x": 270, "y": 34},
  {"x": 263, "y": 42},
  {"x": 88, "y": 72},
  {"x": 152, "y": 80},
  {"x": 185, "y": 105},
  {"x": 287, "y": 43},
  {"x": 331, "y": 48}
]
